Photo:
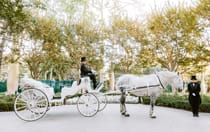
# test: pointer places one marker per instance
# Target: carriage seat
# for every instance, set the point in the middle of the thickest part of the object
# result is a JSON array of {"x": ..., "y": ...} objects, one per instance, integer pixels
[
  {"x": 84, "y": 82},
  {"x": 84, "y": 79}
]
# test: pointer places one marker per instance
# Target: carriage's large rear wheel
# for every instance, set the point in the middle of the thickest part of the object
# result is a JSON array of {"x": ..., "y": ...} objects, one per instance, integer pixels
[
  {"x": 31, "y": 104},
  {"x": 88, "y": 104}
]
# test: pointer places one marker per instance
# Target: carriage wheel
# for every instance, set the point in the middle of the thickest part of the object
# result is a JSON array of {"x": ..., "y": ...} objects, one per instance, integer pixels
[
  {"x": 88, "y": 104},
  {"x": 31, "y": 104},
  {"x": 102, "y": 100}
]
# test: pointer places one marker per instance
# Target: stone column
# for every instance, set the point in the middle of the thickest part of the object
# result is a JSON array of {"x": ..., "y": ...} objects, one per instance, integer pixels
[
  {"x": 13, "y": 78},
  {"x": 101, "y": 77},
  {"x": 203, "y": 84}
]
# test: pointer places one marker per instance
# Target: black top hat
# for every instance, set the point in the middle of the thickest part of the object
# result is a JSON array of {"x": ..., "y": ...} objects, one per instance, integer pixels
[
  {"x": 83, "y": 59},
  {"x": 193, "y": 78}
]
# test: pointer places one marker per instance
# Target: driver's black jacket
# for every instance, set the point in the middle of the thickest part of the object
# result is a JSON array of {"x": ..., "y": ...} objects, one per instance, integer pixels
[{"x": 85, "y": 71}]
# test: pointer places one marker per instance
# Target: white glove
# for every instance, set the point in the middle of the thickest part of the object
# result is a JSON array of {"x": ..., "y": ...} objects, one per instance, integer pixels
[
  {"x": 94, "y": 72},
  {"x": 193, "y": 94}
]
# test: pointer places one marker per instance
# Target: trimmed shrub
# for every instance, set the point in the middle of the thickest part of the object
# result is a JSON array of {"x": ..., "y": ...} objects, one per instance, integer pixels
[
  {"x": 6, "y": 102},
  {"x": 6, "y": 106},
  {"x": 167, "y": 100},
  {"x": 179, "y": 102}
]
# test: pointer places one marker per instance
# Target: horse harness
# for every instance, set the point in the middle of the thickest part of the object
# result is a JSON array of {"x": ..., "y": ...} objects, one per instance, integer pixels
[
  {"x": 149, "y": 86},
  {"x": 160, "y": 81}
]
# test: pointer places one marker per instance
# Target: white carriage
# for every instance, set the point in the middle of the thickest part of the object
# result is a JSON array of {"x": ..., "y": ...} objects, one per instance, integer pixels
[{"x": 36, "y": 98}]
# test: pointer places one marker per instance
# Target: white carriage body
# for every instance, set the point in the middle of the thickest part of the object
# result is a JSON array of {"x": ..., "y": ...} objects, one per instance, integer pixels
[
  {"x": 36, "y": 98},
  {"x": 31, "y": 83},
  {"x": 85, "y": 84}
]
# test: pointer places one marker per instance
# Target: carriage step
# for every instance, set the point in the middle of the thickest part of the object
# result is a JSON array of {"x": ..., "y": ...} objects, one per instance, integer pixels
[{"x": 54, "y": 97}]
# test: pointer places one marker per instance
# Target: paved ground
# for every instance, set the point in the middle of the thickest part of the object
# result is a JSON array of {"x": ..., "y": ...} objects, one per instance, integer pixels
[{"x": 67, "y": 119}]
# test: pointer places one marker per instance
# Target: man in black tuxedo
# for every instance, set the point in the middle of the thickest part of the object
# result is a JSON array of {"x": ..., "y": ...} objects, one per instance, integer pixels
[
  {"x": 194, "y": 96},
  {"x": 85, "y": 71}
]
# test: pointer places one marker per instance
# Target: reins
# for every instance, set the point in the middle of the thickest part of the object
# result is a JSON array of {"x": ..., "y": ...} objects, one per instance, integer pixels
[{"x": 160, "y": 81}]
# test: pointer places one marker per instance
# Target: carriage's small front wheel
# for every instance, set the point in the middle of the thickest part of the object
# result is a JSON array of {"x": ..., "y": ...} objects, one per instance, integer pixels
[
  {"x": 31, "y": 104},
  {"x": 88, "y": 104},
  {"x": 102, "y": 101}
]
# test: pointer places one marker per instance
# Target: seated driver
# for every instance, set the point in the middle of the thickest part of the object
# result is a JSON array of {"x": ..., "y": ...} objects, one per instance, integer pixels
[{"x": 85, "y": 71}]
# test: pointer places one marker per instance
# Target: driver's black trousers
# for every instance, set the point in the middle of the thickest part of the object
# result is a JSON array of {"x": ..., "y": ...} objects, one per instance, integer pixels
[{"x": 93, "y": 78}]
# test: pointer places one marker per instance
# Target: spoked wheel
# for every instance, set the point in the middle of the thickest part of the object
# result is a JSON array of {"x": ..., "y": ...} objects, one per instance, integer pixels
[
  {"x": 88, "y": 104},
  {"x": 102, "y": 101},
  {"x": 31, "y": 104}
]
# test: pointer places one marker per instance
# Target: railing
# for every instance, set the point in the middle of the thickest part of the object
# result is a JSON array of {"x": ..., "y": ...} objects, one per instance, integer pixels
[
  {"x": 56, "y": 84},
  {"x": 3, "y": 86}
]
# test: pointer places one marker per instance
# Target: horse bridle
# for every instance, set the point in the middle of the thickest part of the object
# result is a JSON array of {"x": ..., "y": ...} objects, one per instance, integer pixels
[{"x": 160, "y": 81}]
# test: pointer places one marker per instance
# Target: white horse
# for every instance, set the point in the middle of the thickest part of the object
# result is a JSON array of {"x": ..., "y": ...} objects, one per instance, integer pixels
[{"x": 148, "y": 85}]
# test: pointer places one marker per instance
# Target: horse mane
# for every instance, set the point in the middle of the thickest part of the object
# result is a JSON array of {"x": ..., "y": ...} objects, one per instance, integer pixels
[{"x": 167, "y": 73}]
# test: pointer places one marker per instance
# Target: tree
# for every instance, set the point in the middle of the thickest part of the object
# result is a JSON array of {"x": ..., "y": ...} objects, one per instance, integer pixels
[
  {"x": 82, "y": 36},
  {"x": 33, "y": 60},
  {"x": 174, "y": 39},
  {"x": 81, "y": 40},
  {"x": 130, "y": 38},
  {"x": 49, "y": 52},
  {"x": 203, "y": 9},
  {"x": 13, "y": 19}
]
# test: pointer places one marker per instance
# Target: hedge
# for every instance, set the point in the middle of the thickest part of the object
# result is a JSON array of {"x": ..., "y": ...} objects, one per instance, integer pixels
[
  {"x": 6, "y": 102},
  {"x": 167, "y": 100},
  {"x": 179, "y": 102}
]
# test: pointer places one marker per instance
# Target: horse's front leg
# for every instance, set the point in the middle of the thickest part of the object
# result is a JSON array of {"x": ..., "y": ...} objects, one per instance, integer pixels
[
  {"x": 122, "y": 103},
  {"x": 153, "y": 98}
]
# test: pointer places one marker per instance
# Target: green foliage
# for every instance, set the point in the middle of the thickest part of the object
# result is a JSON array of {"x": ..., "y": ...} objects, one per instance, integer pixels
[
  {"x": 81, "y": 40},
  {"x": 4, "y": 106},
  {"x": 175, "y": 38},
  {"x": 171, "y": 38},
  {"x": 203, "y": 9},
  {"x": 47, "y": 49},
  {"x": 6, "y": 102},
  {"x": 127, "y": 34},
  {"x": 13, "y": 16},
  {"x": 167, "y": 100},
  {"x": 58, "y": 46}
]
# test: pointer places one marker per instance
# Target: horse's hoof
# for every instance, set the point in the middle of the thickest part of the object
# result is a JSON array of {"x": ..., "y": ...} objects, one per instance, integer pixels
[
  {"x": 125, "y": 114},
  {"x": 153, "y": 117},
  {"x": 64, "y": 101}
]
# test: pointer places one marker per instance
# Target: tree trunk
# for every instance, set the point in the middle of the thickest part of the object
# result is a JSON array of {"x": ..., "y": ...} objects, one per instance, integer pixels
[
  {"x": 203, "y": 84},
  {"x": 51, "y": 74},
  {"x": 1, "y": 51},
  {"x": 112, "y": 81}
]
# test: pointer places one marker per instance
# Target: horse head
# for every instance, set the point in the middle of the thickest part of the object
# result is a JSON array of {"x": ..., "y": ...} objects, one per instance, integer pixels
[
  {"x": 172, "y": 78},
  {"x": 177, "y": 82}
]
